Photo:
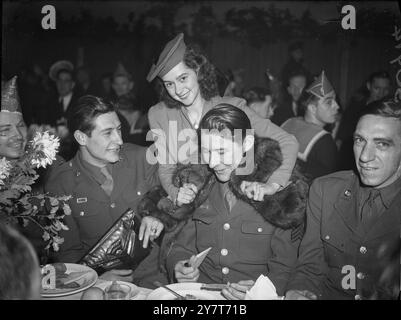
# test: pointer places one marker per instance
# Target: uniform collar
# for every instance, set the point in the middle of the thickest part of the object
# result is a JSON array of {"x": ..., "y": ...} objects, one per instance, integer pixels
[
  {"x": 389, "y": 193},
  {"x": 92, "y": 170}
]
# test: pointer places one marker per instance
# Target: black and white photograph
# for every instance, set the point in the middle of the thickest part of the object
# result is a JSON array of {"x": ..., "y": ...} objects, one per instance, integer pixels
[{"x": 200, "y": 150}]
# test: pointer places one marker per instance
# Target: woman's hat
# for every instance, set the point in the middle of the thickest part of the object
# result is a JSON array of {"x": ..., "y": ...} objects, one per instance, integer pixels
[{"x": 172, "y": 54}]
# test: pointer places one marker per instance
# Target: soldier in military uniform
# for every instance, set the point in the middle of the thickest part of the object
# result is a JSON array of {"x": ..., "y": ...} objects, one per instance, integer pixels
[
  {"x": 351, "y": 247},
  {"x": 105, "y": 178},
  {"x": 246, "y": 242}
]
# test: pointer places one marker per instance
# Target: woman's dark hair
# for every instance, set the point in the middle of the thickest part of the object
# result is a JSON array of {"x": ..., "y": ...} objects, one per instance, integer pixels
[
  {"x": 256, "y": 94},
  {"x": 206, "y": 77},
  {"x": 85, "y": 113},
  {"x": 225, "y": 116},
  {"x": 17, "y": 265}
]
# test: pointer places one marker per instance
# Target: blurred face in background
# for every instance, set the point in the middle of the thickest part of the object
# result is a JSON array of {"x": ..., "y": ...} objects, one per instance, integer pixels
[
  {"x": 378, "y": 88},
  {"x": 122, "y": 85},
  {"x": 65, "y": 83},
  {"x": 296, "y": 86},
  {"x": 13, "y": 135},
  {"x": 265, "y": 108}
]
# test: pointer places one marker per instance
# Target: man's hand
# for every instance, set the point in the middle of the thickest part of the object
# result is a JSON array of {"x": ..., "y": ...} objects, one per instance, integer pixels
[
  {"x": 300, "y": 295},
  {"x": 150, "y": 229},
  {"x": 186, "y": 194},
  {"x": 118, "y": 275},
  {"x": 185, "y": 274},
  {"x": 237, "y": 291},
  {"x": 257, "y": 190}
]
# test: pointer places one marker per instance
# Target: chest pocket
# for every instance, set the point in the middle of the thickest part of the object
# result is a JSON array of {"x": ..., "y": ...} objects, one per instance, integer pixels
[
  {"x": 254, "y": 242},
  {"x": 334, "y": 249},
  {"x": 92, "y": 217}
]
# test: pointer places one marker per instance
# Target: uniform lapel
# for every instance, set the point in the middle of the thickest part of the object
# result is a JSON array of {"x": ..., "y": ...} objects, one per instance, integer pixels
[
  {"x": 121, "y": 177},
  {"x": 346, "y": 206},
  {"x": 86, "y": 186}
]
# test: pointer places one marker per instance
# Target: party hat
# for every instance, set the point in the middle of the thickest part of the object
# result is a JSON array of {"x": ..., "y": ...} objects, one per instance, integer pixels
[
  {"x": 321, "y": 86},
  {"x": 10, "y": 101}
]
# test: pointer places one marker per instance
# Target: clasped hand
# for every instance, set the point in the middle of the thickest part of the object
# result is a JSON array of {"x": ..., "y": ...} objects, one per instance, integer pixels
[
  {"x": 257, "y": 190},
  {"x": 150, "y": 229}
]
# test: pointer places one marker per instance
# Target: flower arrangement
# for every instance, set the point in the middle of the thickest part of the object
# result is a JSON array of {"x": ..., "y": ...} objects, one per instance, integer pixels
[{"x": 20, "y": 203}]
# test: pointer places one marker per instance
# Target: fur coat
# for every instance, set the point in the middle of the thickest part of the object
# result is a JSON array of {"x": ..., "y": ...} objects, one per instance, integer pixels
[{"x": 285, "y": 209}]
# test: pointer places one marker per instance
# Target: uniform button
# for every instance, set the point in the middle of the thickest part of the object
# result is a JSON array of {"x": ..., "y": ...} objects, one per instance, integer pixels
[
  {"x": 260, "y": 230},
  {"x": 327, "y": 237},
  {"x": 78, "y": 174},
  {"x": 225, "y": 270},
  {"x": 224, "y": 252},
  {"x": 226, "y": 226},
  {"x": 113, "y": 205},
  {"x": 363, "y": 250},
  {"x": 70, "y": 164},
  {"x": 138, "y": 193},
  {"x": 358, "y": 297},
  {"x": 81, "y": 213},
  {"x": 347, "y": 193},
  {"x": 360, "y": 275}
]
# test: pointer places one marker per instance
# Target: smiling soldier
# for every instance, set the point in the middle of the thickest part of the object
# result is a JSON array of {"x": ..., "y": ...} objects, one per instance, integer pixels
[
  {"x": 353, "y": 220},
  {"x": 106, "y": 177}
]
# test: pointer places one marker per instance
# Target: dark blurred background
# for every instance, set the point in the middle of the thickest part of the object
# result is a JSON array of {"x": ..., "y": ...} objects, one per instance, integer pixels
[{"x": 251, "y": 36}]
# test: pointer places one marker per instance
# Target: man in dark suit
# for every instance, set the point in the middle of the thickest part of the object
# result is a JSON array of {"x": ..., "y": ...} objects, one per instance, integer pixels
[
  {"x": 351, "y": 247},
  {"x": 105, "y": 178}
]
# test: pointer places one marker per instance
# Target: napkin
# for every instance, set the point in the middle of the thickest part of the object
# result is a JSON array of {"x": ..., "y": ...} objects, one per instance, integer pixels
[{"x": 263, "y": 289}]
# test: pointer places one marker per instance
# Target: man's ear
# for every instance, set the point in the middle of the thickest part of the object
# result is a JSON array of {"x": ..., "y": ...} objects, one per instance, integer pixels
[
  {"x": 131, "y": 85},
  {"x": 312, "y": 108},
  {"x": 368, "y": 85},
  {"x": 80, "y": 137},
  {"x": 248, "y": 143}
]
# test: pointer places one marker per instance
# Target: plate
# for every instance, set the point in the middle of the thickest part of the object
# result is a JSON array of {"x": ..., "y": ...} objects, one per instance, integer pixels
[
  {"x": 134, "y": 289},
  {"x": 183, "y": 289},
  {"x": 88, "y": 280}
]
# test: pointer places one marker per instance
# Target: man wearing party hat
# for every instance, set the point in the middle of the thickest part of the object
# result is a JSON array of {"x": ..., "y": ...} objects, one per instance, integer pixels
[
  {"x": 13, "y": 131},
  {"x": 317, "y": 150},
  {"x": 122, "y": 82},
  {"x": 351, "y": 246}
]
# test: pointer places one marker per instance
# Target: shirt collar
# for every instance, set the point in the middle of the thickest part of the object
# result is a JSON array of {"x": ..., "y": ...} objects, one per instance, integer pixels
[{"x": 389, "y": 193}]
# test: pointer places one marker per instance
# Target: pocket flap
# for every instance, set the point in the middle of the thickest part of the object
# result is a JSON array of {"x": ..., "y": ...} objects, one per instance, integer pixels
[{"x": 256, "y": 227}]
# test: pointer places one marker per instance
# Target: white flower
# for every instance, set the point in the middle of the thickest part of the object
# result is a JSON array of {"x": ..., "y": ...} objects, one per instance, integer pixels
[
  {"x": 46, "y": 146},
  {"x": 5, "y": 167}
]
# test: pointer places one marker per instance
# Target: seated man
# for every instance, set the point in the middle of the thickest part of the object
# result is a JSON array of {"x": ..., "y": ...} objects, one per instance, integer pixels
[
  {"x": 245, "y": 242},
  {"x": 105, "y": 178},
  {"x": 20, "y": 273},
  {"x": 318, "y": 154},
  {"x": 351, "y": 247}
]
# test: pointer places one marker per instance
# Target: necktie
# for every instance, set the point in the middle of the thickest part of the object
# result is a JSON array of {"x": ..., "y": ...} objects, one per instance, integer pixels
[
  {"x": 369, "y": 208},
  {"x": 107, "y": 185},
  {"x": 230, "y": 199}
]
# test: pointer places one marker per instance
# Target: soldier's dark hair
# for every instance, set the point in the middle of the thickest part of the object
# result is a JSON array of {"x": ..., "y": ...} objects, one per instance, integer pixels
[
  {"x": 18, "y": 265},
  {"x": 306, "y": 99},
  {"x": 85, "y": 113},
  {"x": 225, "y": 116},
  {"x": 207, "y": 78},
  {"x": 387, "y": 108},
  {"x": 256, "y": 94}
]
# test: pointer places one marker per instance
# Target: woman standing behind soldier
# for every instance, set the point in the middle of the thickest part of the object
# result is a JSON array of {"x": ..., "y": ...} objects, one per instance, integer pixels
[{"x": 188, "y": 91}]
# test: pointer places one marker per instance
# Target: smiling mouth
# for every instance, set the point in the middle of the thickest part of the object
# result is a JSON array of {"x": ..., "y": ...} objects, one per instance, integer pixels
[{"x": 183, "y": 96}]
